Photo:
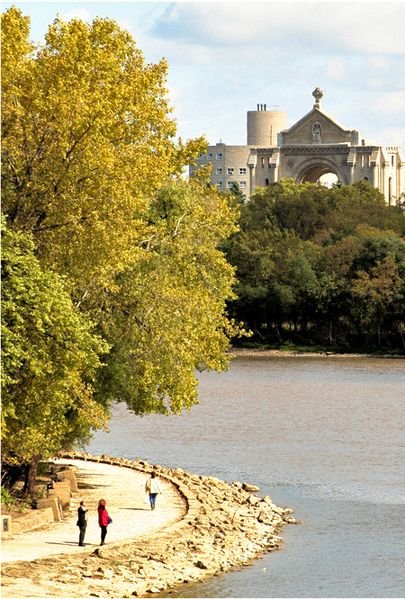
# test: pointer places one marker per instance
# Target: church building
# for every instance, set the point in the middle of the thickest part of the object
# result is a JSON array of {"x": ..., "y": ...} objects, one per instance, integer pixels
[{"x": 315, "y": 147}]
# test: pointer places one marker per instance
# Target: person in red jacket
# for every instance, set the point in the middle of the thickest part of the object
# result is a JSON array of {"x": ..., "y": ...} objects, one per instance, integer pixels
[{"x": 103, "y": 519}]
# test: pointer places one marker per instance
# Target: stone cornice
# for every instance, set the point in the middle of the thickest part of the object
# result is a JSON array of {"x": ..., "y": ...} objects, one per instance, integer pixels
[{"x": 314, "y": 150}]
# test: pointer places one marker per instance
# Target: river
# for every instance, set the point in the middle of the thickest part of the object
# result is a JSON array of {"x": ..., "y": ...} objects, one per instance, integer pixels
[{"x": 324, "y": 436}]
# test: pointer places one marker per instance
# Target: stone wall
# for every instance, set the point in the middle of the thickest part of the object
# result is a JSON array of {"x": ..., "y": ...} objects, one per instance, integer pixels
[{"x": 48, "y": 510}]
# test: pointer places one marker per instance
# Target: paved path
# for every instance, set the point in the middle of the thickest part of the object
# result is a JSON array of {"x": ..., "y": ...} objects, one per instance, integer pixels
[{"x": 123, "y": 490}]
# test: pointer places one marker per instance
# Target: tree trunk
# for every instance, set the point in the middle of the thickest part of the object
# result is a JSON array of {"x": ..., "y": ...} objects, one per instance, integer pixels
[
  {"x": 31, "y": 475},
  {"x": 331, "y": 337}
]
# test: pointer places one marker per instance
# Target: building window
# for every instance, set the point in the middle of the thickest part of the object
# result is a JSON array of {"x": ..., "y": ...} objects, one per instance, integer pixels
[
  {"x": 242, "y": 171},
  {"x": 230, "y": 184},
  {"x": 392, "y": 160},
  {"x": 242, "y": 184},
  {"x": 210, "y": 155},
  {"x": 218, "y": 156},
  {"x": 219, "y": 184},
  {"x": 229, "y": 171},
  {"x": 262, "y": 161},
  {"x": 362, "y": 161},
  {"x": 218, "y": 171}
]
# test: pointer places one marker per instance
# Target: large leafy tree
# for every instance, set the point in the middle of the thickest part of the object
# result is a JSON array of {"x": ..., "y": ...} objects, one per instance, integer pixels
[
  {"x": 50, "y": 356},
  {"x": 87, "y": 141},
  {"x": 172, "y": 304},
  {"x": 92, "y": 171}
]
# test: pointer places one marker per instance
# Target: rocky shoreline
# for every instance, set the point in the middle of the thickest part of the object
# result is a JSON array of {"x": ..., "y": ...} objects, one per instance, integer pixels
[{"x": 226, "y": 526}]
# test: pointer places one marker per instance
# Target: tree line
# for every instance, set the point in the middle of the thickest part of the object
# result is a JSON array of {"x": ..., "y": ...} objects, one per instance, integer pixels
[{"x": 321, "y": 266}]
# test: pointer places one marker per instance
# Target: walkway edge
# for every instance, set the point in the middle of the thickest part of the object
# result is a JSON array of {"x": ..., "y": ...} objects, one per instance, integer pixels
[{"x": 225, "y": 527}]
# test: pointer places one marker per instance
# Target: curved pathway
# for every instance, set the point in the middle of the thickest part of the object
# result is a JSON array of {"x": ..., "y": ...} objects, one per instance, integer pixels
[{"x": 123, "y": 490}]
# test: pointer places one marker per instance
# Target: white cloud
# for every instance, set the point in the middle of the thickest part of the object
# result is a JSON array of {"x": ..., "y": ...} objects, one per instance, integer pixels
[
  {"x": 356, "y": 26},
  {"x": 77, "y": 13}
]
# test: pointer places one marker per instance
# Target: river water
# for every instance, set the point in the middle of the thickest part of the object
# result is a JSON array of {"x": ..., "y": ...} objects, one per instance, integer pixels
[{"x": 324, "y": 436}]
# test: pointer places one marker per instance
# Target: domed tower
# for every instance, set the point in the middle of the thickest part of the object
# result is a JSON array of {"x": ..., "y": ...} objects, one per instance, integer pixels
[{"x": 263, "y": 126}]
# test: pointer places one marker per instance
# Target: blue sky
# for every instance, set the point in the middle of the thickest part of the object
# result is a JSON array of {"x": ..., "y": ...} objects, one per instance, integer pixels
[{"x": 227, "y": 57}]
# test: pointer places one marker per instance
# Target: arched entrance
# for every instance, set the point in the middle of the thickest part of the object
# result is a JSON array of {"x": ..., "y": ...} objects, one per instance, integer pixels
[
  {"x": 321, "y": 171},
  {"x": 315, "y": 173}
]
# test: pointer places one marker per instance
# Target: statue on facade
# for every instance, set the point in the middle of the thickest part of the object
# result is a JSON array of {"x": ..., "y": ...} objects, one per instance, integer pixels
[{"x": 316, "y": 132}]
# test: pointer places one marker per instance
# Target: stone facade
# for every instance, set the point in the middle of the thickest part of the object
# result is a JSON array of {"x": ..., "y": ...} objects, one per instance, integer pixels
[{"x": 314, "y": 146}]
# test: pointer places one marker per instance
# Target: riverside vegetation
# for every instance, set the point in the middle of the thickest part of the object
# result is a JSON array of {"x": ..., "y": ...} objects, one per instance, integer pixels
[
  {"x": 321, "y": 268},
  {"x": 225, "y": 526}
]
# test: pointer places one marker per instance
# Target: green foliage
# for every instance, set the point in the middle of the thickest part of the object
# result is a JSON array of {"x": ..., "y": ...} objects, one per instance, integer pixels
[
  {"x": 88, "y": 139},
  {"x": 237, "y": 193},
  {"x": 103, "y": 236},
  {"x": 320, "y": 264},
  {"x": 172, "y": 305},
  {"x": 50, "y": 357},
  {"x": 6, "y": 498}
]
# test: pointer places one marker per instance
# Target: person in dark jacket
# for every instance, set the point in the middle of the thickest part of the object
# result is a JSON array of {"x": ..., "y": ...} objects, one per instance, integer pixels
[
  {"x": 82, "y": 522},
  {"x": 103, "y": 519}
]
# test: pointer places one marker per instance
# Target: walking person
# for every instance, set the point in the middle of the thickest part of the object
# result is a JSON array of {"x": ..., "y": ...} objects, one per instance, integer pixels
[
  {"x": 153, "y": 487},
  {"x": 103, "y": 519},
  {"x": 82, "y": 522}
]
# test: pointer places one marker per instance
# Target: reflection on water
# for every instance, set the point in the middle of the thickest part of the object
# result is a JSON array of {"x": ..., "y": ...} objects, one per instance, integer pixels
[{"x": 322, "y": 435}]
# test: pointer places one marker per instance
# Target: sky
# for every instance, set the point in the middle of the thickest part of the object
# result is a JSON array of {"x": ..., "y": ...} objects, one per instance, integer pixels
[{"x": 227, "y": 57}]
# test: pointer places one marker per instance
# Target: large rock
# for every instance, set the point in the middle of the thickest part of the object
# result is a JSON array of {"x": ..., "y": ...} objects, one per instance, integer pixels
[{"x": 250, "y": 488}]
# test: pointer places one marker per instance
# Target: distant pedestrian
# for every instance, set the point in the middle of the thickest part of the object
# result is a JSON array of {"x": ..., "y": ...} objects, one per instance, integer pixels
[
  {"x": 82, "y": 522},
  {"x": 103, "y": 519},
  {"x": 153, "y": 487}
]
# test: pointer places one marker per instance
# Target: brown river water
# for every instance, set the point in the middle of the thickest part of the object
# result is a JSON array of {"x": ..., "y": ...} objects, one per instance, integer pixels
[{"x": 325, "y": 436}]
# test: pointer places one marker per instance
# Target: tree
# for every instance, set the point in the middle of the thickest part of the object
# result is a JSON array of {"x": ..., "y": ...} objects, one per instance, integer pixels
[
  {"x": 87, "y": 141},
  {"x": 50, "y": 357},
  {"x": 237, "y": 193},
  {"x": 378, "y": 281},
  {"x": 375, "y": 292},
  {"x": 170, "y": 318},
  {"x": 90, "y": 165}
]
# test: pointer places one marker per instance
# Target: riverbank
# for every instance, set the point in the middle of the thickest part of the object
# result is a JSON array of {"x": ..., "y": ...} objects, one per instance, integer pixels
[
  {"x": 220, "y": 527},
  {"x": 247, "y": 352}
]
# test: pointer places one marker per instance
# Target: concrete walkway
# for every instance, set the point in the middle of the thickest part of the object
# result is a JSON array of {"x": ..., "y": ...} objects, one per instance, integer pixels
[{"x": 123, "y": 490}]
